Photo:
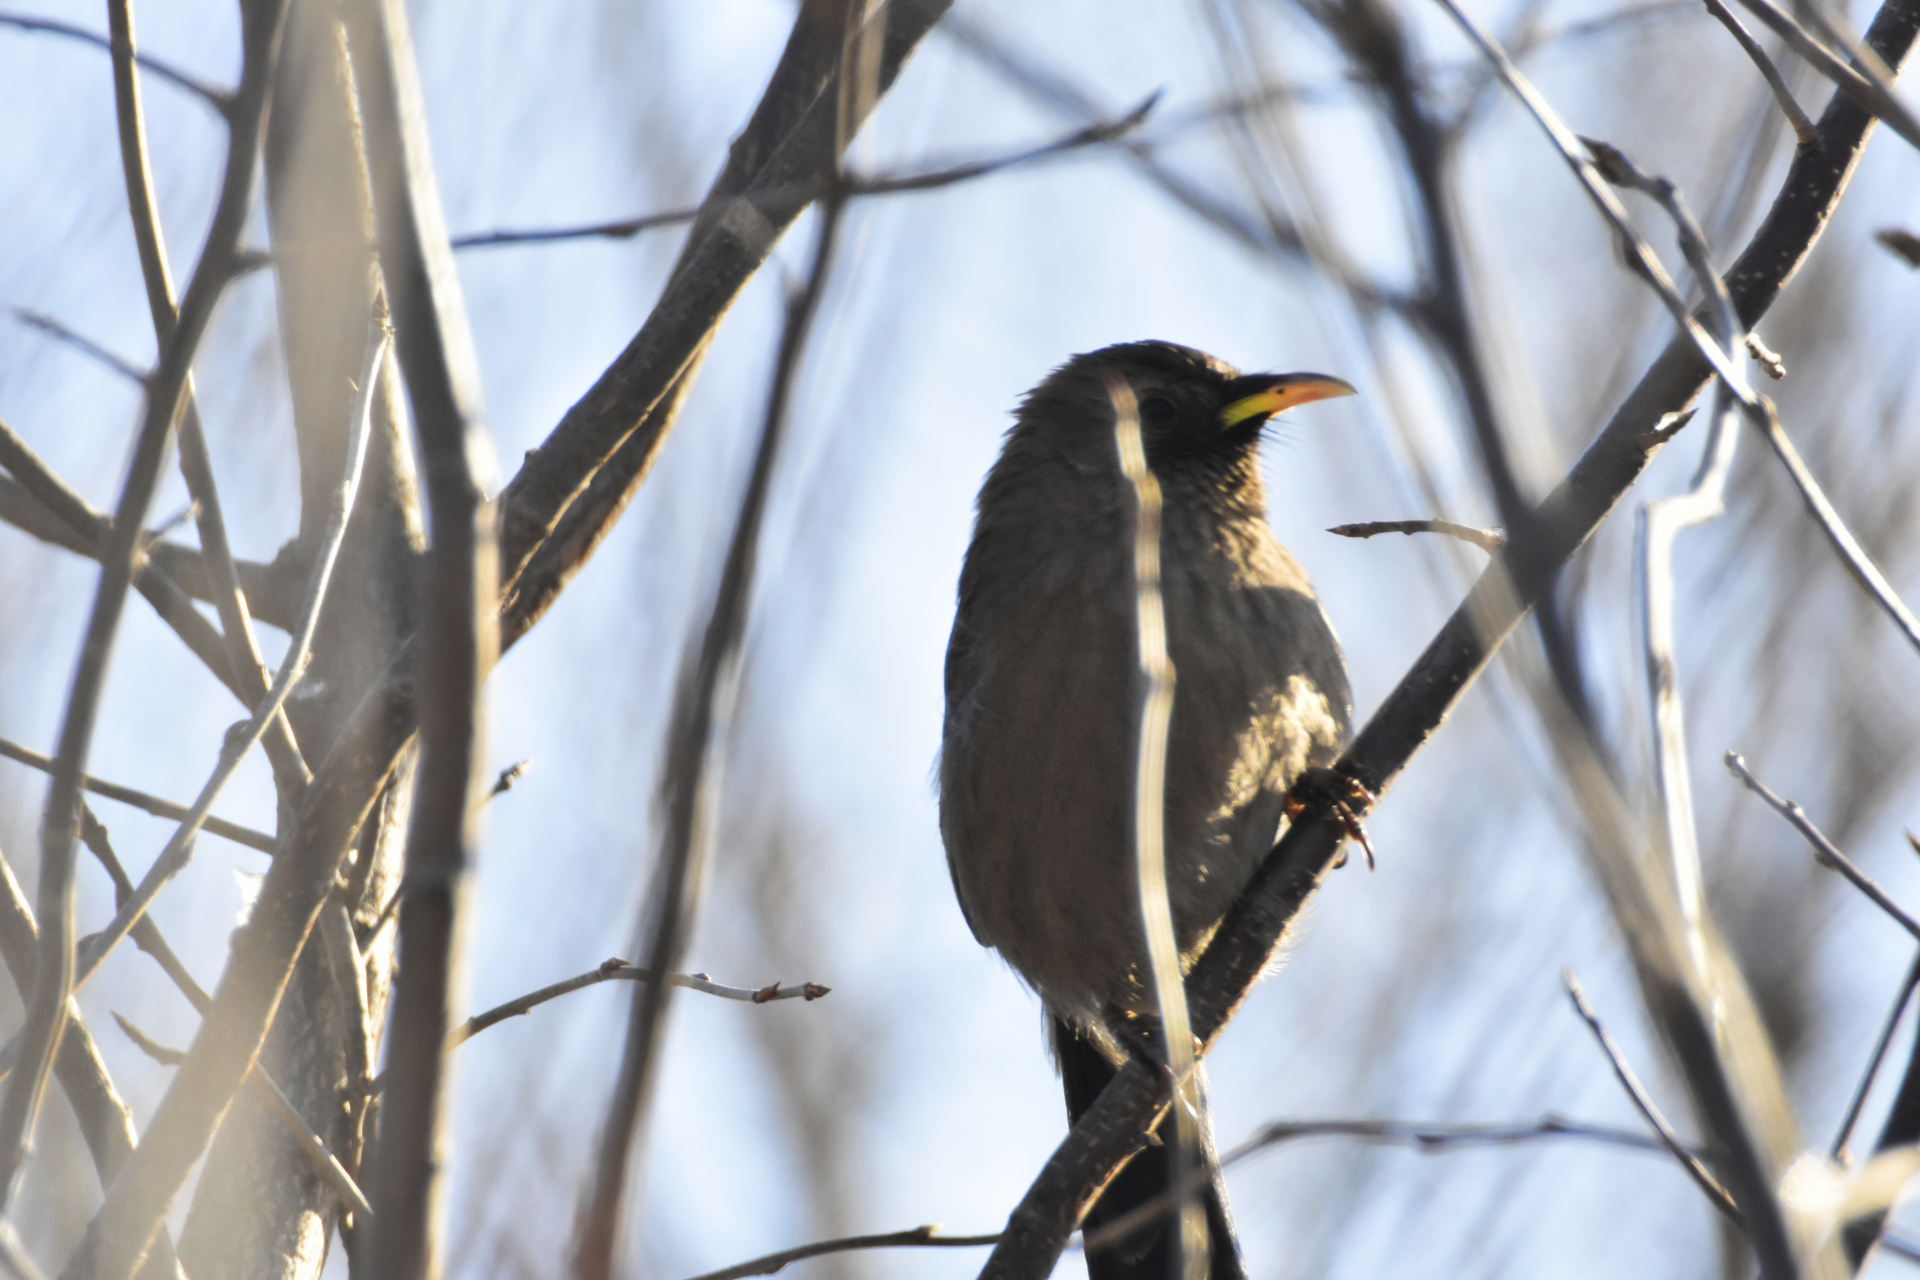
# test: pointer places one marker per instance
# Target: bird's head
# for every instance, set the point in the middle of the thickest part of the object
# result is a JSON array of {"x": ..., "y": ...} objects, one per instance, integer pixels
[{"x": 1193, "y": 409}]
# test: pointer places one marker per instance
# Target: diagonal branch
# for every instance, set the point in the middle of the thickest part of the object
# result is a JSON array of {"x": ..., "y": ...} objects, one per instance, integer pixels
[{"x": 1414, "y": 711}]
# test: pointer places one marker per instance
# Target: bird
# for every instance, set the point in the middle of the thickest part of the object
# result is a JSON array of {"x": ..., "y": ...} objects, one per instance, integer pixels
[{"x": 1042, "y": 685}]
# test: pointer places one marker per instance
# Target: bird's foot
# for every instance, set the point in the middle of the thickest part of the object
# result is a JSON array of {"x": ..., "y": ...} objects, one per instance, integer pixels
[{"x": 1343, "y": 797}]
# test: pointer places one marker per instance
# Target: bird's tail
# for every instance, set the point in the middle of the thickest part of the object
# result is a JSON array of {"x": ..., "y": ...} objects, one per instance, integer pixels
[{"x": 1146, "y": 1252}]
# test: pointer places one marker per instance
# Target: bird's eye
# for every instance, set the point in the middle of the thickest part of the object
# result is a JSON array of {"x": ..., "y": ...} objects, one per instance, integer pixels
[{"x": 1156, "y": 412}]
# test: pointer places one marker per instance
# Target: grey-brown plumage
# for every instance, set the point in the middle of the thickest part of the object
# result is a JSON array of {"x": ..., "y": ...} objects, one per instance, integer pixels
[{"x": 1042, "y": 685}]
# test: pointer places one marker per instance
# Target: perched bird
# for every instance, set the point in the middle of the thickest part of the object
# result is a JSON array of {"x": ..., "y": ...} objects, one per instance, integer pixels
[{"x": 1042, "y": 707}]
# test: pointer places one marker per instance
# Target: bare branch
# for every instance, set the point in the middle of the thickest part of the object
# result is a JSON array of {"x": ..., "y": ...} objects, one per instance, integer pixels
[
  {"x": 1696, "y": 1169},
  {"x": 635, "y": 401},
  {"x": 855, "y": 185},
  {"x": 1826, "y": 853},
  {"x": 1488, "y": 540},
  {"x": 1803, "y": 130},
  {"x": 460, "y": 630},
  {"x": 926, "y": 1237},
  {"x": 1858, "y": 562},
  {"x": 1155, "y": 684},
  {"x": 1873, "y": 90},
  {"x": 301, "y": 878},
  {"x": 1844, "y": 1135},
  {"x": 167, "y": 569},
  {"x": 617, "y": 969},
  {"x": 154, "y": 805},
  {"x": 1659, "y": 524},
  {"x": 219, "y": 99},
  {"x": 147, "y": 937}
]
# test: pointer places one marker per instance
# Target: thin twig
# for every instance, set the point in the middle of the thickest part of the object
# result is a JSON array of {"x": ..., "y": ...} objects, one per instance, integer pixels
[
  {"x": 854, "y": 186},
  {"x": 926, "y": 1237},
  {"x": 196, "y": 465},
  {"x": 1488, "y": 540},
  {"x": 1871, "y": 91},
  {"x": 219, "y": 99},
  {"x": 619, "y": 970},
  {"x": 1803, "y": 130},
  {"x": 1428, "y": 1139},
  {"x": 90, "y": 530},
  {"x": 1826, "y": 853},
  {"x": 1858, "y": 562},
  {"x": 702, "y": 713},
  {"x": 239, "y": 740},
  {"x": 1844, "y": 1134},
  {"x": 1695, "y": 1167},
  {"x": 152, "y": 804},
  {"x": 59, "y": 331}
]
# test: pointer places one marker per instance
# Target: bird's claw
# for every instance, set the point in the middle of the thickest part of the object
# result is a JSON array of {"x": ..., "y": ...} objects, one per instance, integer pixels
[{"x": 1345, "y": 798}]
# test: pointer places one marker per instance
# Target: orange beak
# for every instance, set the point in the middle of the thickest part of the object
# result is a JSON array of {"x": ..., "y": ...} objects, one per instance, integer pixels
[{"x": 1280, "y": 392}]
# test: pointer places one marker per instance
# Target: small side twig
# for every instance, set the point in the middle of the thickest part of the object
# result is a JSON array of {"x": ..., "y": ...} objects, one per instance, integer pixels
[
  {"x": 1826, "y": 853},
  {"x": 509, "y": 776},
  {"x": 1858, "y": 562},
  {"x": 1695, "y": 1167},
  {"x": 1427, "y": 1139},
  {"x": 927, "y": 1237},
  {"x": 853, "y": 186},
  {"x": 219, "y": 99},
  {"x": 618, "y": 970},
  {"x": 1803, "y": 131},
  {"x": 1870, "y": 92},
  {"x": 1901, "y": 243},
  {"x": 141, "y": 800},
  {"x": 1488, "y": 540}
]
